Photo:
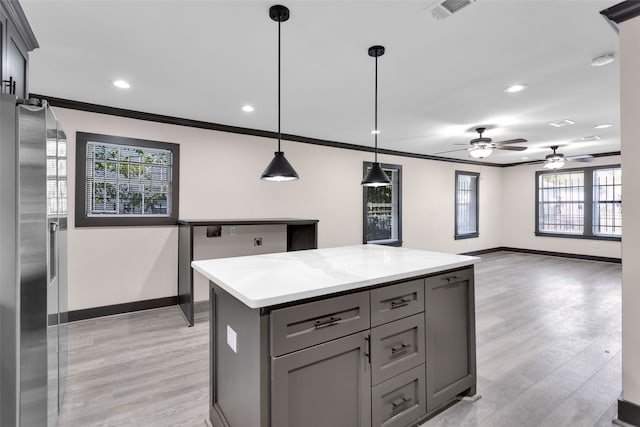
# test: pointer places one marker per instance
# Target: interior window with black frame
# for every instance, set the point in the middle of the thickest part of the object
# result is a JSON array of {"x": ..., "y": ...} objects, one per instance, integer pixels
[
  {"x": 382, "y": 208},
  {"x": 584, "y": 203},
  {"x": 125, "y": 181},
  {"x": 467, "y": 205}
]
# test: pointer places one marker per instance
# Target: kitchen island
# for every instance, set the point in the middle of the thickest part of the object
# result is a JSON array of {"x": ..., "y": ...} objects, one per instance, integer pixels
[{"x": 353, "y": 336}]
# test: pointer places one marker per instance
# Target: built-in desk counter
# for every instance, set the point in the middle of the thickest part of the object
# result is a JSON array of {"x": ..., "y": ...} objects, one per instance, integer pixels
[{"x": 352, "y": 336}]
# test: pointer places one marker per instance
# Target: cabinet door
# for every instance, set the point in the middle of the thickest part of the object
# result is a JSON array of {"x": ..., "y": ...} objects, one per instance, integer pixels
[
  {"x": 450, "y": 336},
  {"x": 328, "y": 385}
]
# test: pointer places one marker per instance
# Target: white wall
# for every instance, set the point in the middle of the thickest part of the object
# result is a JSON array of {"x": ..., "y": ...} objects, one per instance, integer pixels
[
  {"x": 630, "y": 112},
  {"x": 219, "y": 178},
  {"x": 518, "y": 227}
]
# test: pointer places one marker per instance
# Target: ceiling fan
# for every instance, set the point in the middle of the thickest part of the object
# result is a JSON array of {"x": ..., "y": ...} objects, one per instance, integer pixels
[
  {"x": 557, "y": 160},
  {"x": 482, "y": 147}
]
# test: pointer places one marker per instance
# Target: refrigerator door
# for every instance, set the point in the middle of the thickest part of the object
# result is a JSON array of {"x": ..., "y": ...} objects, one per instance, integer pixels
[{"x": 33, "y": 231}]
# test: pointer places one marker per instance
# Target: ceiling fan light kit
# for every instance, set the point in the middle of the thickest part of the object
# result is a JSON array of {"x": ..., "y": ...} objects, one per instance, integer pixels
[
  {"x": 376, "y": 177},
  {"x": 279, "y": 169},
  {"x": 480, "y": 152}
]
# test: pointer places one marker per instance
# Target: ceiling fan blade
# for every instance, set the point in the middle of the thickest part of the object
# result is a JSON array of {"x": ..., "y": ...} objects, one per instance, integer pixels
[
  {"x": 451, "y": 151},
  {"x": 581, "y": 157},
  {"x": 510, "y": 141},
  {"x": 461, "y": 143},
  {"x": 509, "y": 148}
]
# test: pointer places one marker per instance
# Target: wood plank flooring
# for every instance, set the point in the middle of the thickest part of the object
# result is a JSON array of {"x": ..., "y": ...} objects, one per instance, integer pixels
[{"x": 548, "y": 340}]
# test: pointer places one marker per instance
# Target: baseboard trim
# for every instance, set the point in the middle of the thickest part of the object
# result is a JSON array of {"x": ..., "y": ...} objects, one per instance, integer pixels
[
  {"x": 628, "y": 412},
  {"x": 548, "y": 253},
  {"x": 127, "y": 307}
]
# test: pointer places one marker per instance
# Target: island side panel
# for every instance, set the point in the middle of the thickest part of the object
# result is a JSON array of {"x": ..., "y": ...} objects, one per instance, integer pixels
[
  {"x": 185, "y": 273},
  {"x": 239, "y": 368},
  {"x": 451, "y": 345}
]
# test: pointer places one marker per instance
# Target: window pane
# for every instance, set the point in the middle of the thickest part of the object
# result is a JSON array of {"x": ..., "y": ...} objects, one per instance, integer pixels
[
  {"x": 466, "y": 204},
  {"x": 382, "y": 222},
  {"x": 127, "y": 180},
  {"x": 607, "y": 202},
  {"x": 561, "y": 202}
]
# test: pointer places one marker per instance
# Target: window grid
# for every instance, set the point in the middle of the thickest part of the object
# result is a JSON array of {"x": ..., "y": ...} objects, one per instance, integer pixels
[
  {"x": 466, "y": 204},
  {"x": 56, "y": 153},
  {"x": 561, "y": 201},
  {"x": 582, "y": 203},
  {"x": 382, "y": 205},
  {"x": 607, "y": 202},
  {"x": 128, "y": 180}
]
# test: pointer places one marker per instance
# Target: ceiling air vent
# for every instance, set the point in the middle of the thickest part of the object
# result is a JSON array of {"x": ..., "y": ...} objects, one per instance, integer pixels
[{"x": 446, "y": 8}]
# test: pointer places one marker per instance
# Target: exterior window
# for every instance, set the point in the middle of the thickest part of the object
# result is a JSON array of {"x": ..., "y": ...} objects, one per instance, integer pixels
[
  {"x": 466, "y": 209},
  {"x": 382, "y": 208},
  {"x": 583, "y": 202},
  {"x": 56, "y": 173},
  {"x": 125, "y": 181}
]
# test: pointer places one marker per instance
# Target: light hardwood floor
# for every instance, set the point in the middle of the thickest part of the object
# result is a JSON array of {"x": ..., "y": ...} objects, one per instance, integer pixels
[{"x": 548, "y": 341}]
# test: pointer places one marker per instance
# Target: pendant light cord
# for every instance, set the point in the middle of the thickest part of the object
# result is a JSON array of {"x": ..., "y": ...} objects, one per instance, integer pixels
[
  {"x": 375, "y": 129},
  {"x": 279, "y": 135}
]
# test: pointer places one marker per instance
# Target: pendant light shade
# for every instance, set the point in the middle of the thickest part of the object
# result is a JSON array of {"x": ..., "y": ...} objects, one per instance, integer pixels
[
  {"x": 279, "y": 169},
  {"x": 376, "y": 176}
]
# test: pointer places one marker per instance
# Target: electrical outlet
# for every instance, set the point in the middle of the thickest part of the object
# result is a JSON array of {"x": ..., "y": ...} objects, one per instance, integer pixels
[
  {"x": 257, "y": 241},
  {"x": 232, "y": 231}
]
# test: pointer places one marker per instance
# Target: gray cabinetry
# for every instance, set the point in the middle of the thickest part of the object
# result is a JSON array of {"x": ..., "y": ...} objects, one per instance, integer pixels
[
  {"x": 400, "y": 401},
  {"x": 396, "y": 347},
  {"x": 450, "y": 321},
  {"x": 325, "y": 385},
  {"x": 389, "y": 356}
]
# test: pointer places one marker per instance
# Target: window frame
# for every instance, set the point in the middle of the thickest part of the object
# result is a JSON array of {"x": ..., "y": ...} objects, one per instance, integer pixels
[
  {"x": 588, "y": 204},
  {"x": 81, "y": 217},
  {"x": 390, "y": 242},
  {"x": 458, "y": 236}
]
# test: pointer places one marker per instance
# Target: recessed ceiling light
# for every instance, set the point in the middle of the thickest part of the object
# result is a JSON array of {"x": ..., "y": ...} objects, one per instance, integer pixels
[
  {"x": 524, "y": 158},
  {"x": 375, "y": 132},
  {"x": 601, "y": 60},
  {"x": 602, "y": 126},
  {"x": 562, "y": 123},
  {"x": 518, "y": 87},
  {"x": 589, "y": 138},
  {"x": 121, "y": 84},
  {"x": 247, "y": 108}
]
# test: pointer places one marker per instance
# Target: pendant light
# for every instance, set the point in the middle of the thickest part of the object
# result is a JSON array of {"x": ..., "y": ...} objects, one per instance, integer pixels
[
  {"x": 279, "y": 169},
  {"x": 376, "y": 176}
]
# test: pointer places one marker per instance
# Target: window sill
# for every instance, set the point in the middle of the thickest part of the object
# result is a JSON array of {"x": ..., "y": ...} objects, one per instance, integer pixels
[
  {"x": 397, "y": 243},
  {"x": 465, "y": 236},
  {"x": 579, "y": 236}
]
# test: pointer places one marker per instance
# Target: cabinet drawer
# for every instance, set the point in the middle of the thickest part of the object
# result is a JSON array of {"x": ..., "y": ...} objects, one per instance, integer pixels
[
  {"x": 449, "y": 278},
  {"x": 301, "y": 326},
  {"x": 399, "y": 401},
  {"x": 396, "y": 301},
  {"x": 397, "y": 347}
]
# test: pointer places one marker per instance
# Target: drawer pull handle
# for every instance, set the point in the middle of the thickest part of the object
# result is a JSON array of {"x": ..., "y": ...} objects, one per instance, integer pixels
[
  {"x": 399, "y": 404},
  {"x": 399, "y": 303},
  {"x": 399, "y": 349},
  {"x": 449, "y": 279},
  {"x": 326, "y": 323}
]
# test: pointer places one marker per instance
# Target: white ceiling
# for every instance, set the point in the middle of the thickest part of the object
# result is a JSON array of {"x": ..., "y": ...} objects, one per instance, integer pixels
[{"x": 438, "y": 80}]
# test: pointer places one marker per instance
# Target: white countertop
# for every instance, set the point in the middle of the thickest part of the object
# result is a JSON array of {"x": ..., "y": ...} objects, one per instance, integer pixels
[{"x": 270, "y": 279}]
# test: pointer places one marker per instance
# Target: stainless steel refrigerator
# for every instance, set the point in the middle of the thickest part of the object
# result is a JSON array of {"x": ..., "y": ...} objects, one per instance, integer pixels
[{"x": 33, "y": 264}]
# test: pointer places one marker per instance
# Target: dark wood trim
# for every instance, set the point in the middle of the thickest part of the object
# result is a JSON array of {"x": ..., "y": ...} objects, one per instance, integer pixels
[
  {"x": 547, "y": 253},
  {"x": 81, "y": 218},
  {"x": 159, "y": 118},
  {"x": 127, "y": 307},
  {"x": 622, "y": 11},
  {"x": 457, "y": 236},
  {"x": 247, "y": 221},
  {"x": 398, "y": 241},
  {"x": 540, "y": 162},
  {"x": 628, "y": 412}
]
